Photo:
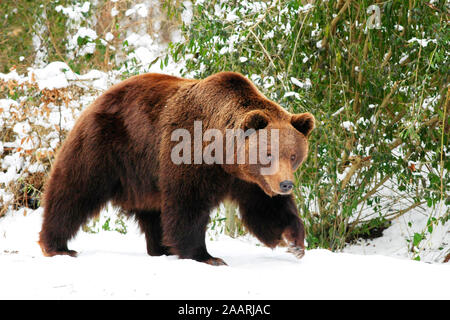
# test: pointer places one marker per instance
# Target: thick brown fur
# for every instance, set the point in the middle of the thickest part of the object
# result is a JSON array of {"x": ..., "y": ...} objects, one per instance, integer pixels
[{"x": 119, "y": 150}]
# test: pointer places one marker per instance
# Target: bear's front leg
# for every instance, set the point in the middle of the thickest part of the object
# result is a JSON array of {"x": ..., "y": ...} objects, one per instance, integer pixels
[
  {"x": 294, "y": 235},
  {"x": 184, "y": 219},
  {"x": 270, "y": 219},
  {"x": 184, "y": 229}
]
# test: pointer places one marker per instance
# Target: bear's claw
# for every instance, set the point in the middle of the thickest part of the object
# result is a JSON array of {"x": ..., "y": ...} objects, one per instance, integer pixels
[
  {"x": 71, "y": 253},
  {"x": 298, "y": 252},
  {"x": 216, "y": 262},
  {"x": 55, "y": 252}
]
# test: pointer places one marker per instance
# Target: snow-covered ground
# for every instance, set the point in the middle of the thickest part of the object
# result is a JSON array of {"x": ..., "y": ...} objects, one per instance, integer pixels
[
  {"x": 111, "y": 265},
  {"x": 395, "y": 241}
]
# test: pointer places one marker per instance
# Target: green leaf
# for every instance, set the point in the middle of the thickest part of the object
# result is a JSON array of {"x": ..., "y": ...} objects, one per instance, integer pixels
[{"x": 417, "y": 239}]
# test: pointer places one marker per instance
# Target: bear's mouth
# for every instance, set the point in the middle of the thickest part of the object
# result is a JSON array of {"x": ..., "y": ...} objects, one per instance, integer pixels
[
  {"x": 284, "y": 193},
  {"x": 267, "y": 188},
  {"x": 281, "y": 193}
]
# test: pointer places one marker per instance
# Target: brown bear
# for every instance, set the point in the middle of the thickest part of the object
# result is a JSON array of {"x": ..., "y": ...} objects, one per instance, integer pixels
[{"x": 121, "y": 150}]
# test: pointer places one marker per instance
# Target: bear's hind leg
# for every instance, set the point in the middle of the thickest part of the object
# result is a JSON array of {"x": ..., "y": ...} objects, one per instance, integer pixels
[
  {"x": 65, "y": 211},
  {"x": 150, "y": 224}
]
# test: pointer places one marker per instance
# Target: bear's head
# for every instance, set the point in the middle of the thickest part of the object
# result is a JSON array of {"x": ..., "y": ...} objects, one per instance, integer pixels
[
  {"x": 272, "y": 143},
  {"x": 275, "y": 148}
]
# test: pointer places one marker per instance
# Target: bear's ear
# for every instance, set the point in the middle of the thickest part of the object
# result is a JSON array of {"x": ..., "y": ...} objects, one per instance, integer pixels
[
  {"x": 303, "y": 122},
  {"x": 255, "y": 120}
]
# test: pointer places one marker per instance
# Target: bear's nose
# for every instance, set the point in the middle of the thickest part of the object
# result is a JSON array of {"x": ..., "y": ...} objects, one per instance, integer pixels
[{"x": 286, "y": 185}]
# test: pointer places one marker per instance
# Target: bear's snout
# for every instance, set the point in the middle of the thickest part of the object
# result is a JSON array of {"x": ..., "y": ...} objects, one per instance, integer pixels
[{"x": 286, "y": 186}]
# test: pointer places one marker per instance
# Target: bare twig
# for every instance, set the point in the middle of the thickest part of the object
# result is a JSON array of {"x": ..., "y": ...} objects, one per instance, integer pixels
[
  {"x": 296, "y": 43},
  {"x": 260, "y": 20},
  {"x": 334, "y": 22},
  {"x": 447, "y": 99},
  {"x": 52, "y": 40},
  {"x": 351, "y": 172},
  {"x": 264, "y": 49},
  {"x": 399, "y": 213}
]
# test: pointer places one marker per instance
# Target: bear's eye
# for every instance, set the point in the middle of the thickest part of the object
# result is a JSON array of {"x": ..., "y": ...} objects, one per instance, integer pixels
[{"x": 293, "y": 157}]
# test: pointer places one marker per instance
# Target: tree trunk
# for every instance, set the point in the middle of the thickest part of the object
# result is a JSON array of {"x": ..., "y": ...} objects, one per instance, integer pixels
[{"x": 233, "y": 224}]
